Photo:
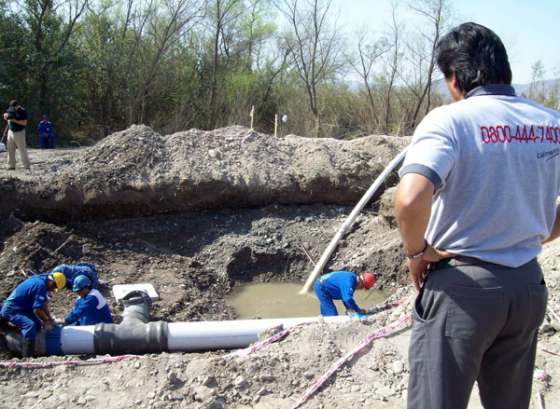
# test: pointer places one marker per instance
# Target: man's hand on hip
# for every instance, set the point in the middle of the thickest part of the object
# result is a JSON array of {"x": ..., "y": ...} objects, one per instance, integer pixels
[{"x": 418, "y": 267}]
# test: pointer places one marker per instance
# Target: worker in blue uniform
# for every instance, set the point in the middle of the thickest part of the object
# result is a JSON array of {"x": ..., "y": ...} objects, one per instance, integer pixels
[
  {"x": 340, "y": 285},
  {"x": 91, "y": 308},
  {"x": 71, "y": 271},
  {"x": 27, "y": 309},
  {"x": 45, "y": 132}
]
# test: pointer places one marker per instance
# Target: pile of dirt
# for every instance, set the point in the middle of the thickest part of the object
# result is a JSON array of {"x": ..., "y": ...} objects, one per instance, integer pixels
[{"x": 139, "y": 172}]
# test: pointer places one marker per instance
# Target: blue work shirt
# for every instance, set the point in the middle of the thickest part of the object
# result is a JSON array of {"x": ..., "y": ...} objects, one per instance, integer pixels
[
  {"x": 340, "y": 285},
  {"x": 29, "y": 295},
  {"x": 71, "y": 271},
  {"x": 45, "y": 127},
  {"x": 89, "y": 310}
]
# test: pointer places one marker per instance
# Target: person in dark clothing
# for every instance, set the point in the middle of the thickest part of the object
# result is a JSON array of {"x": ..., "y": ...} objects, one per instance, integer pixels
[{"x": 16, "y": 116}]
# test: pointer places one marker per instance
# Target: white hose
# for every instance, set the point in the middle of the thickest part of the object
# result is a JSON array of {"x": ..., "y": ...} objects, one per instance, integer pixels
[{"x": 349, "y": 222}]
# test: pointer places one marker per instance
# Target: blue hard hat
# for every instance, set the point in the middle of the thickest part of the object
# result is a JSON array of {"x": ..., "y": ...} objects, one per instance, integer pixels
[{"x": 81, "y": 282}]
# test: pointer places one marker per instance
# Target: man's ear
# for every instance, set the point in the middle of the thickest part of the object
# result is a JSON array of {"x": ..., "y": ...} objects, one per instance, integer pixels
[{"x": 453, "y": 86}]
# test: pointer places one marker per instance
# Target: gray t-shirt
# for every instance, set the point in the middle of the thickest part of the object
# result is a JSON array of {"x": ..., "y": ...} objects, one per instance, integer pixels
[{"x": 494, "y": 159}]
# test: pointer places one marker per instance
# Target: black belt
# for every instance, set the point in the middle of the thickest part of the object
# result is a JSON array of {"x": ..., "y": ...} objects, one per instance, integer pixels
[{"x": 459, "y": 260}]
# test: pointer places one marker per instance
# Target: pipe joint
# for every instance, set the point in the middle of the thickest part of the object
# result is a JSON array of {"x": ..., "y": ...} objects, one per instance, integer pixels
[{"x": 130, "y": 337}]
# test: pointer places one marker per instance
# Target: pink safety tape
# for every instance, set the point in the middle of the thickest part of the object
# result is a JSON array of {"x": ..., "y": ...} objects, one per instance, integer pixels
[
  {"x": 386, "y": 331},
  {"x": 52, "y": 364},
  {"x": 265, "y": 342}
]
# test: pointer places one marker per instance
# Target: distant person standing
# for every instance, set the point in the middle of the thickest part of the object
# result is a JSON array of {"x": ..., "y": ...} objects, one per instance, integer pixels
[
  {"x": 45, "y": 131},
  {"x": 17, "y": 121}
]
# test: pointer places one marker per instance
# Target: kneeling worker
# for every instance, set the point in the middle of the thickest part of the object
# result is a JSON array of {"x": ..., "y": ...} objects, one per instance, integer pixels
[
  {"x": 71, "y": 271},
  {"x": 340, "y": 285},
  {"x": 90, "y": 308},
  {"x": 27, "y": 309}
]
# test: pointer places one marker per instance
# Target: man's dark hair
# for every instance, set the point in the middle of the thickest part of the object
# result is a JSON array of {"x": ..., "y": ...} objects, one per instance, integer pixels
[{"x": 475, "y": 54}]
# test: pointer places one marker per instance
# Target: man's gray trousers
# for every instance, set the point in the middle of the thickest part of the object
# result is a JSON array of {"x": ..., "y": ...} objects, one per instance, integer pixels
[{"x": 475, "y": 321}]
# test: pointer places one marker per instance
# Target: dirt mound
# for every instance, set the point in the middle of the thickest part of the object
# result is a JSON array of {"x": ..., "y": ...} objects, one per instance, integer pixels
[{"x": 139, "y": 172}]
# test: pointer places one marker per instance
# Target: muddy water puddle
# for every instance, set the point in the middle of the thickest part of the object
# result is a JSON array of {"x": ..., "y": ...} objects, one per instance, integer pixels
[{"x": 281, "y": 300}]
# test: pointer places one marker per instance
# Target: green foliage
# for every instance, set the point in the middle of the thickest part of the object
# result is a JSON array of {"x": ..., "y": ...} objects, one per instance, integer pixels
[{"x": 178, "y": 64}]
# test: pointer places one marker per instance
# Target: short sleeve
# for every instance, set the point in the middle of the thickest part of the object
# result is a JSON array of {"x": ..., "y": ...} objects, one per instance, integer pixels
[{"x": 433, "y": 150}]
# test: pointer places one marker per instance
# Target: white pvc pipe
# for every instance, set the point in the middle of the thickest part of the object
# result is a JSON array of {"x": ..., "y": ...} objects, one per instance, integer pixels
[
  {"x": 206, "y": 335},
  {"x": 196, "y": 336},
  {"x": 77, "y": 340},
  {"x": 349, "y": 222}
]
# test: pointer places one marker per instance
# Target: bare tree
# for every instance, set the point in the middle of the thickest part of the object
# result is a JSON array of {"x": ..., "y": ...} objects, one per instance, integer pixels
[
  {"x": 537, "y": 76},
  {"x": 434, "y": 11},
  {"x": 363, "y": 65},
  {"x": 312, "y": 45},
  {"x": 157, "y": 27},
  {"x": 221, "y": 13},
  {"x": 393, "y": 66}
]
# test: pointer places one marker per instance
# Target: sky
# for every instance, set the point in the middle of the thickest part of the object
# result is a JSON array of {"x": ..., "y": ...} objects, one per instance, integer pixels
[{"x": 527, "y": 28}]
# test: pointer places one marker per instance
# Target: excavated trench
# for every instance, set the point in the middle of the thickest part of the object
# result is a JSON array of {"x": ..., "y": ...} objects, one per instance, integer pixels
[{"x": 140, "y": 220}]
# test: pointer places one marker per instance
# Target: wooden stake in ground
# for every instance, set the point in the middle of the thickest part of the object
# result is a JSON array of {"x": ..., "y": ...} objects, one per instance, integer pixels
[
  {"x": 275, "y": 125},
  {"x": 252, "y": 115},
  {"x": 307, "y": 253}
]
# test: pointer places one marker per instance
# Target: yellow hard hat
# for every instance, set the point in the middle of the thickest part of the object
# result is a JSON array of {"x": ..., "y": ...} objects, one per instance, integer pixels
[{"x": 59, "y": 279}]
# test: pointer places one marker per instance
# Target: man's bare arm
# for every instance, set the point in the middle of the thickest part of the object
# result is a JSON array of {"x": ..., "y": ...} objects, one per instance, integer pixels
[
  {"x": 555, "y": 228},
  {"x": 413, "y": 205},
  {"x": 43, "y": 315}
]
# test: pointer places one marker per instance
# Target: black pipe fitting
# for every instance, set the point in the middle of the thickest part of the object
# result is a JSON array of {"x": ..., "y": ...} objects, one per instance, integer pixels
[{"x": 135, "y": 334}]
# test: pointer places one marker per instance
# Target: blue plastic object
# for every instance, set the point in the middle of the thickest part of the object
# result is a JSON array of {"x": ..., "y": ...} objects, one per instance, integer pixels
[
  {"x": 53, "y": 345},
  {"x": 358, "y": 315}
]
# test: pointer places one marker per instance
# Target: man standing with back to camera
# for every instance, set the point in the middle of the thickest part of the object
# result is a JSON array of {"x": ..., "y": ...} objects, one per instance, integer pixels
[{"x": 476, "y": 200}]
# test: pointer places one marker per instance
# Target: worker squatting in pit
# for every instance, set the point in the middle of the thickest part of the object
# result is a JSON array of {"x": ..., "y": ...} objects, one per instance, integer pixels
[{"x": 27, "y": 306}]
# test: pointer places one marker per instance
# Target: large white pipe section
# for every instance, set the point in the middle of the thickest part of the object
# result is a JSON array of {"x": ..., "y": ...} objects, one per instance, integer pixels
[
  {"x": 349, "y": 222},
  {"x": 205, "y": 335},
  {"x": 77, "y": 340},
  {"x": 195, "y": 336}
]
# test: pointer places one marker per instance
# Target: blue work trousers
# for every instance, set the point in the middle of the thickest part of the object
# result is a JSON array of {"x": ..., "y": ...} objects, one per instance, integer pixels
[
  {"x": 46, "y": 141},
  {"x": 27, "y": 322},
  {"x": 328, "y": 309}
]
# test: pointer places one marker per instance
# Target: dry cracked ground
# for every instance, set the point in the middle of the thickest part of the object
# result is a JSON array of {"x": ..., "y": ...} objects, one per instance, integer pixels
[{"x": 197, "y": 213}]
